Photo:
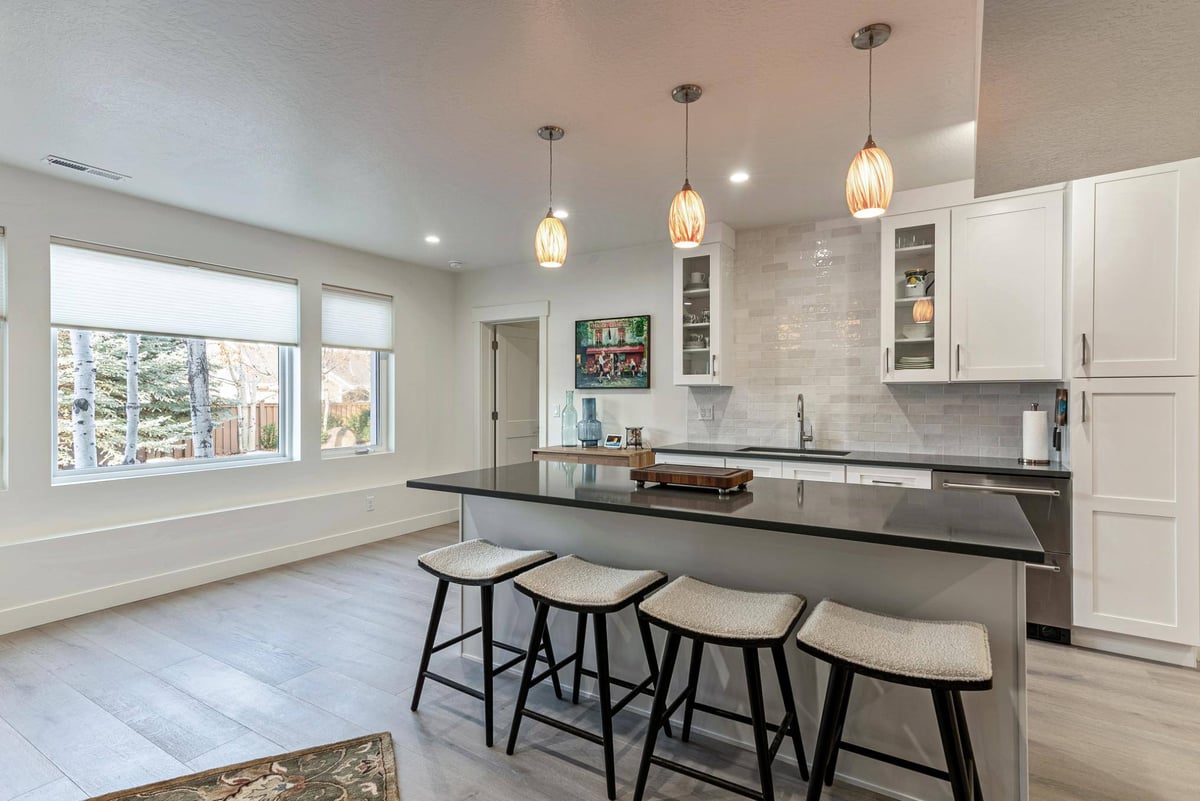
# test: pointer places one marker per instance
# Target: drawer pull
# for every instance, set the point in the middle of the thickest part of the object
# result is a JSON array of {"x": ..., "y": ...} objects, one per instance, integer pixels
[
  {"x": 888, "y": 483},
  {"x": 1047, "y": 568},
  {"x": 1052, "y": 493}
]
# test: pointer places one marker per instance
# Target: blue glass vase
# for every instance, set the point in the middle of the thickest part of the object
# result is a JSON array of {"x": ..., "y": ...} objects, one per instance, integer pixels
[
  {"x": 570, "y": 420},
  {"x": 590, "y": 429}
]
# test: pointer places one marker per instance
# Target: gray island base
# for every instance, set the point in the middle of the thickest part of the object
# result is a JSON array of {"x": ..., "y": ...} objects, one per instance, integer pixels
[{"x": 899, "y": 551}]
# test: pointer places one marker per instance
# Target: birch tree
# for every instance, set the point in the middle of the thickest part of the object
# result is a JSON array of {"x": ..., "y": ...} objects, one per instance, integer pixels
[
  {"x": 83, "y": 400},
  {"x": 133, "y": 404},
  {"x": 199, "y": 399}
]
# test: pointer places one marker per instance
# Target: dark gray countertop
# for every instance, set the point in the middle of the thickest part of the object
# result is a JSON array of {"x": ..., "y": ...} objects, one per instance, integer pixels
[
  {"x": 961, "y": 464},
  {"x": 980, "y": 525}
]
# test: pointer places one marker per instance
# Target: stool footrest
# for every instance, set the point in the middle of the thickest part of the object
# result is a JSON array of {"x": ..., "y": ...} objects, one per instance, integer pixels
[
  {"x": 781, "y": 735},
  {"x": 564, "y": 726},
  {"x": 456, "y": 640},
  {"x": 891, "y": 759},
  {"x": 548, "y": 672},
  {"x": 634, "y": 692},
  {"x": 708, "y": 778},
  {"x": 462, "y": 688},
  {"x": 734, "y": 716}
]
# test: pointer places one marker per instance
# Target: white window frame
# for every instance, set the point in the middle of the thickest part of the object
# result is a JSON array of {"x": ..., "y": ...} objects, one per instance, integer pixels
[
  {"x": 4, "y": 295},
  {"x": 381, "y": 409},
  {"x": 287, "y": 428}
]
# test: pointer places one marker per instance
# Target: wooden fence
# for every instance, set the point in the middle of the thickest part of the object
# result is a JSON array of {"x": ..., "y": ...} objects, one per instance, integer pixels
[{"x": 227, "y": 435}]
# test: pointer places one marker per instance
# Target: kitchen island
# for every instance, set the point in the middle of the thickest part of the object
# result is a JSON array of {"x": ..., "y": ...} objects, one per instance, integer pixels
[{"x": 894, "y": 550}]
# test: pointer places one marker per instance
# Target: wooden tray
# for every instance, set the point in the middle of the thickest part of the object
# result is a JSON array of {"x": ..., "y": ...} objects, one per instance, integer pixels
[{"x": 722, "y": 479}]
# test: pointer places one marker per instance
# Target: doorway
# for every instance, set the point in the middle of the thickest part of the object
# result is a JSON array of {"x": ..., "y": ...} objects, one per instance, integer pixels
[{"x": 512, "y": 416}]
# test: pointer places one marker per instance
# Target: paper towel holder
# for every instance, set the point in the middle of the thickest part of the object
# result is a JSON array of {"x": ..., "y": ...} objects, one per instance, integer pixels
[{"x": 1035, "y": 462}]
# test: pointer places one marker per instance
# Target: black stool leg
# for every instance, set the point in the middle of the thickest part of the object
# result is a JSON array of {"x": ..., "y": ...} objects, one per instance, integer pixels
[
  {"x": 580, "y": 641},
  {"x": 549, "y": 646},
  {"x": 827, "y": 736},
  {"x": 689, "y": 706},
  {"x": 485, "y": 606},
  {"x": 960, "y": 717},
  {"x": 539, "y": 627},
  {"x": 651, "y": 660},
  {"x": 600, "y": 632},
  {"x": 658, "y": 711},
  {"x": 789, "y": 706},
  {"x": 435, "y": 619},
  {"x": 952, "y": 745},
  {"x": 841, "y": 727},
  {"x": 762, "y": 740}
]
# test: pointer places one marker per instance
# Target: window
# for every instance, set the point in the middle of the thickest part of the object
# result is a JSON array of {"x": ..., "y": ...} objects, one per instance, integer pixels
[
  {"x": 164, "y": 364},
  {"x": 356, "y": 356},
  {"x": 3, "y": 361}
]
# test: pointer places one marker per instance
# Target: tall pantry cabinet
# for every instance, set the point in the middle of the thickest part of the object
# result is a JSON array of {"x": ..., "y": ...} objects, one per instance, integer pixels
[{"x": 1135, "y": 396}]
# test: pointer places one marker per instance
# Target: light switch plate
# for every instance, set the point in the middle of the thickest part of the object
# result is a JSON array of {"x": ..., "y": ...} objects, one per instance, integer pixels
[{"x": 706, "y": 413}]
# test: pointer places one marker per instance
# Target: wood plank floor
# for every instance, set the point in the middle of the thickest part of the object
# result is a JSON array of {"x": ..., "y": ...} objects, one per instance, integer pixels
[{"x": 326, "y": 649}]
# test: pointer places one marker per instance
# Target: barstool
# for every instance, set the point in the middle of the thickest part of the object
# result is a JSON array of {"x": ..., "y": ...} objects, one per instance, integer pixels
[
  {"x": 482, "y": 564},
  {"x": 576, "y": 585},
  {"x": 708, "y": 614},
  {"x": 946, "y": 657}
]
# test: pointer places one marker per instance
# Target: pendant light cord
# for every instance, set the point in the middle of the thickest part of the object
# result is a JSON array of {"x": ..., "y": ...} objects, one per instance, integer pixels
[
  {"x": 686, "y": 129},
  {"x": 870, "y": 82},
  {"x": 552, "y": 174}
]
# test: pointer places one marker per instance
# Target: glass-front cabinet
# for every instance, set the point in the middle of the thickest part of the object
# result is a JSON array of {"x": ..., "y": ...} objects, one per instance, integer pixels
[
  {"x": 915, "y": 310},
  {"x": 702, "y": 343}
]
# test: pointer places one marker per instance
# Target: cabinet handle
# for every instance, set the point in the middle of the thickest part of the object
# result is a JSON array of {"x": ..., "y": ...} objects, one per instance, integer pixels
[
  {"x": 957, "y": 359},
  {"x": 1083, "y": 352},
  {"x": 1053, "y": 493},
  {"x": 714, "y": 365},
  {"x": 887, "y": 360},
  {"x": 1083, "y": 406},
  {"x": 1049, "y": 568},
  {"x": 887, "y": 483}
]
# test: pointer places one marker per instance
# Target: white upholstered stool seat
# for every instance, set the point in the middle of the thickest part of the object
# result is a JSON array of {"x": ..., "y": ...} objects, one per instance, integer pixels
[
  {"x": 574, "y": 583},
  {"x": 480, "y": 562},
  {"x": 719, "y": 614},
  {"x": 924, "y": 652}
]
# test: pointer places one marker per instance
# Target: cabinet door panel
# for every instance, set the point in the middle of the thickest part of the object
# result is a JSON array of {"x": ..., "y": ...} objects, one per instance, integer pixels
[
  {"x": 912, "y": 352},
  {"x": 699, "y": 460},
  {"x": 815, "y": 471},
  {"x": 763, "y": 468},
  {"x": 1136, "y": 525},
  {"x": 1006, "y": 298},
  {"x": 889, "y": 476},
  {"x": 1136, "y": 256}
]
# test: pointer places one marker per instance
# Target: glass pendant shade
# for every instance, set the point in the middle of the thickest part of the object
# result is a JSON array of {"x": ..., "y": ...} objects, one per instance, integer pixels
[
  {"x": 923, "y": 311},
  {"x": 550, "y": 241},
  {"x": 869, "y": 182},
  {"x": 686, "y": 219}
]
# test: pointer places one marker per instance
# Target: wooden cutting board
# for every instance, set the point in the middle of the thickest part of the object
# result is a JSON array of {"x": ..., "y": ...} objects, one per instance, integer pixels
[{"x": 722, "y": 479}]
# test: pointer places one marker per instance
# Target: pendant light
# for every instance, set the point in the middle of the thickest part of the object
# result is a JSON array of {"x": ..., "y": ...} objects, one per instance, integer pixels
[
  {"x": 686, "y": 218},
  {"x": 550, "y": 241},
  {"x": 869, "y": 181}
]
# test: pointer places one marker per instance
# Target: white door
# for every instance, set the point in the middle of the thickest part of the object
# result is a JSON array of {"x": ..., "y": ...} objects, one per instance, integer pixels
[
  {"x": 915, "y": 244},
  {"x": 1006, "y": 299},
  {"x": 1135, "y": 242},
  {"x": 1135, "y": 538},
  {"x": 516, "y": 426}
]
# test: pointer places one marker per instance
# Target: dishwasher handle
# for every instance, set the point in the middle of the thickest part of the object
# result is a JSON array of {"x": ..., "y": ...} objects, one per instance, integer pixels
[
  {"x": 1051, "y": 493},
  {"x": 1047, "y": 568}
]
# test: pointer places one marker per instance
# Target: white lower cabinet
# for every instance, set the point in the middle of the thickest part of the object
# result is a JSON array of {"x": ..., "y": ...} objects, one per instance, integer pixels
[
  {"x": 700, "y": 460},
  {"x": 889, "y": 476},
  {"x": 1135, "y": 446},
  {"x": 763, "y": 468},
  {"x": 815, "y": 471}
]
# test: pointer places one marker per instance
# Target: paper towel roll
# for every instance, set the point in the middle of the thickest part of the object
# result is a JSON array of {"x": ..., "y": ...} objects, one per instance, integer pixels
[{"x": 1035, "y": 437}]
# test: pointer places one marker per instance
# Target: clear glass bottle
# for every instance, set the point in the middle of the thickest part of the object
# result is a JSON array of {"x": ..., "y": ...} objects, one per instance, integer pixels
[{"x": 570, "y": 419}]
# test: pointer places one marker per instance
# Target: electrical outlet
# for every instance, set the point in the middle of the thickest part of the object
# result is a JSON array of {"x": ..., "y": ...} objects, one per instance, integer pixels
[
  {"x": 370, "y": 503},
  {"x": 706, "y": 413}
]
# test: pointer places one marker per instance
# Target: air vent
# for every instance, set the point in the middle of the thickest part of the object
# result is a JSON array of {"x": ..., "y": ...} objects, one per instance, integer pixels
[{"x": 79, "y": 166}]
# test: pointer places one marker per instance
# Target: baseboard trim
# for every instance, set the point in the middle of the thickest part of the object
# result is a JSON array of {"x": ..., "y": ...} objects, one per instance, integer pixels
[
  {"x": 1139, "y": 647},
  {"x": 92, "y": 600}
]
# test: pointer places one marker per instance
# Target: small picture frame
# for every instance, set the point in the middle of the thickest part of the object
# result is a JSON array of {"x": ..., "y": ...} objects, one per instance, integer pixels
[{"x": 613, "y": 441}]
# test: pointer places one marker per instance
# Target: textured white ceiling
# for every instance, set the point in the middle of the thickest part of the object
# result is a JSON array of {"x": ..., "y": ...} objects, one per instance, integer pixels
[
  {"x": 371, "y": 123},
  {"x": 1075, "y": 88}
]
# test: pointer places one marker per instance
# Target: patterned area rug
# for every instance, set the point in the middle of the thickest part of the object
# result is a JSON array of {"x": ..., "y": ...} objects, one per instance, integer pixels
[{"x": 362, "y": 769}]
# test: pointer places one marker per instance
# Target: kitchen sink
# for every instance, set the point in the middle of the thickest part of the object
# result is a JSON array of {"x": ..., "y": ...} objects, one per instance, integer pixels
[{"x": 794, "y": 451}]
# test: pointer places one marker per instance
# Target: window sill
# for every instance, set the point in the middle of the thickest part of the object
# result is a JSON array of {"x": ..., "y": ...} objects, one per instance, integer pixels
[
  {"x": 353, "y": 453},
  {"x": 121, "y": 473}
]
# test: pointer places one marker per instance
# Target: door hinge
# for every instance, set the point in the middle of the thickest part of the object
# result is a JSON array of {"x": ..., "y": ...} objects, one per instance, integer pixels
[
  {"x": 495, "y": 416},
  {"x": 495, "y": 345}
]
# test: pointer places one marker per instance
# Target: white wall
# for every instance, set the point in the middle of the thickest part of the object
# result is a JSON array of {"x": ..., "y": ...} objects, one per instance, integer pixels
[
  {"x": 611, "y": 283},
  {"x": 72, "y": 548}
]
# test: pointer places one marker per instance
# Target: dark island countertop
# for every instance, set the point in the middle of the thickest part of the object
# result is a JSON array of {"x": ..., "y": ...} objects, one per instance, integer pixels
[
  {"x": 979, "y": 525},
  {"x": 925, "y": 461}
]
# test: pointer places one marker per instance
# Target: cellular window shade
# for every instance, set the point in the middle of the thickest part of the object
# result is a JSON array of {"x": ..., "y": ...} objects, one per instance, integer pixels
[
  {"x": 109, "y": 291},
  {"x": 3, "y": 281},
  {"x": 358, "y": 320}
]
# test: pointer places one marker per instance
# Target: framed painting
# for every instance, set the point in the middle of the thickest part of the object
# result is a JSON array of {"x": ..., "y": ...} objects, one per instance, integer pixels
[{"x": 613, "y": 353}]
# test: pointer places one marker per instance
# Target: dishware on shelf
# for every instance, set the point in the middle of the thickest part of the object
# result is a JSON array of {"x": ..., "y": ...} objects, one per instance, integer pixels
[
  {"x": 914, "y": 282},
  {"x": 923, "y": 311},
  {"x": 915, "y": 330}
]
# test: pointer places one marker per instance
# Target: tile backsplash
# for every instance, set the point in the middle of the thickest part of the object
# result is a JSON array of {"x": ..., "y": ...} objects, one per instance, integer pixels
[{"x": 807, "y": 320}]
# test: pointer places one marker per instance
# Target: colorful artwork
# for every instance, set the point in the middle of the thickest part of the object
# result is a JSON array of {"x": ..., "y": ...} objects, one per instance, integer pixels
[{"x": 613, "y": 353}]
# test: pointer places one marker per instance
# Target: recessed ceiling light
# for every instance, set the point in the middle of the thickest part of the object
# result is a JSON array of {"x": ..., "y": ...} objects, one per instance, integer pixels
[
  {"x": 562, "y": 214},
  {"x": 739, "y": 177},
  {"x": 433, "y": 239}
]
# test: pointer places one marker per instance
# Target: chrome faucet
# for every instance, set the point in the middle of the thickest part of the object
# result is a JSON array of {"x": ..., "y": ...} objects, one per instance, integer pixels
[{"x": 805, "y": 434}]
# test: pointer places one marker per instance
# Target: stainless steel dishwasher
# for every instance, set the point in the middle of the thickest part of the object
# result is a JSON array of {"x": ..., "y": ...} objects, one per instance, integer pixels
[{"x": 1047, "y": 505}]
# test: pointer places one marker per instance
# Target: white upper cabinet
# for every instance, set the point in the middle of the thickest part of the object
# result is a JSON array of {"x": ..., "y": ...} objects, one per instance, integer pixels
[
  {"x": 1135, "y": 242},
  {"x": 702, "y": 342},
  {"x": 915, "y": 297},
  {"x": 1006, "y": 293}
]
